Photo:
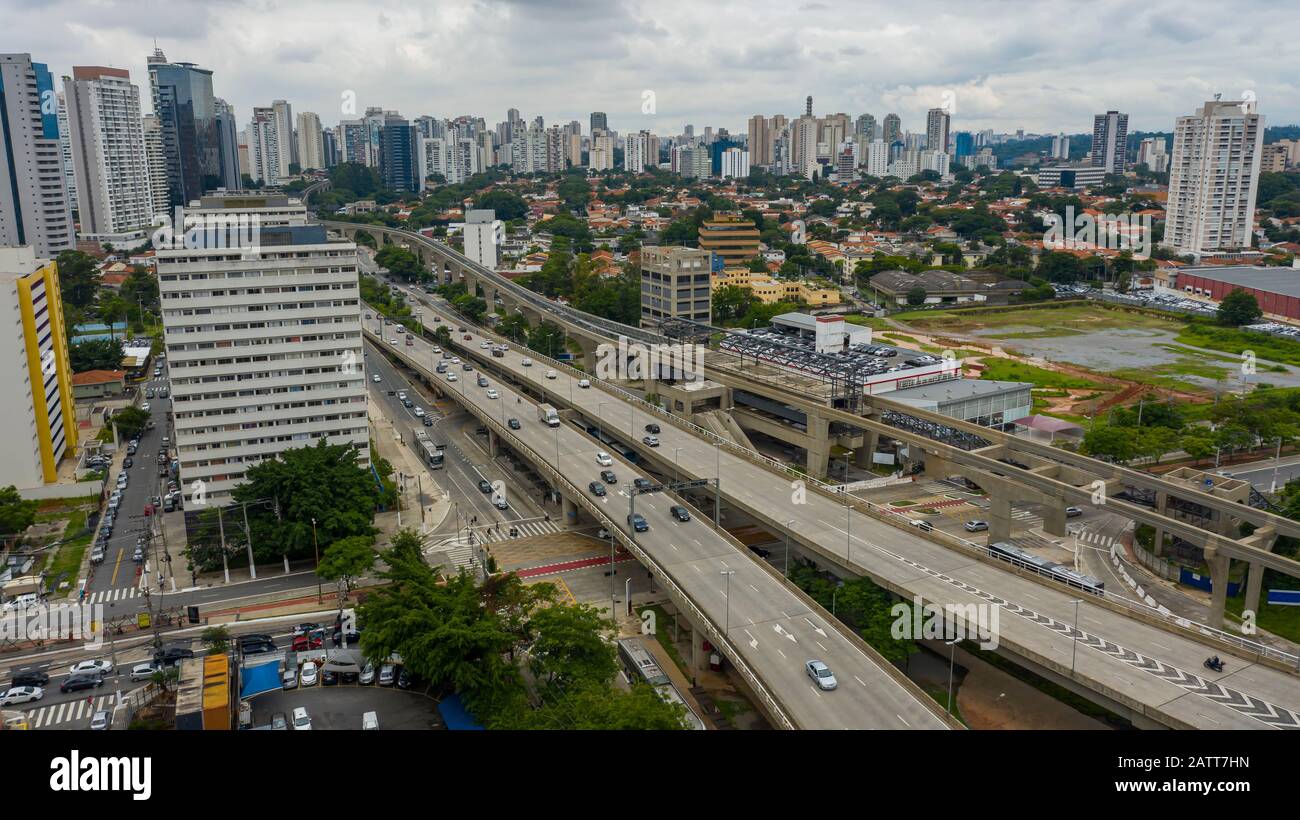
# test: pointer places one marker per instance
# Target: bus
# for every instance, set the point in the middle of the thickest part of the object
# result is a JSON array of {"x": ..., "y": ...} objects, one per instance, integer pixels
[
  {"x": 431, "y": 454},
  {"x": 640, "y": 665}
]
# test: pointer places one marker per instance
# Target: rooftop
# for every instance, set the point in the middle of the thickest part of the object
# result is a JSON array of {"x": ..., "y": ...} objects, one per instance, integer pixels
[{"x": 1285, "y": 281}]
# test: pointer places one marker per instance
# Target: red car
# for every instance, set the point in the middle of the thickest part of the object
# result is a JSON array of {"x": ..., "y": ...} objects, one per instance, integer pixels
[
  {"x": 313, "y": 640},
  {"x": 468, "y": 337}
]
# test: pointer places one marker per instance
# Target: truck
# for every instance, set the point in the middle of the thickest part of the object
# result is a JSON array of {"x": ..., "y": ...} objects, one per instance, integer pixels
[{"x": 547, "y": 413}]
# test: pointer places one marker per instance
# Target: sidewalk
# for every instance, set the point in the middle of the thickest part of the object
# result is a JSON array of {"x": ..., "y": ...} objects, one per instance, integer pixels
[{"x": 424, "y": 503}]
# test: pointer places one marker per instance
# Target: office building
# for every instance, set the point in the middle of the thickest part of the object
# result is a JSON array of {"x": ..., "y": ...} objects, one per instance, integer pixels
[
  {"x": 1109, "y": 141},
  {"x": 599, "y": 122},
  {"x": 1070, "y": 176},
  {"x": 937, "y": 123},
  {"x": 1214, "y": 177},
  {"x": 264, "y": 347},
  {"x": 311, "y": 142},
  {"x": 37, "y": 404},
  {"x": 892, "y": 129},
  {"x": 675, "y": 284},
  {"x": 34, "y": 206},
  {"x": 963, "y": 147},
  {"x": 731, "y": 236},
  {"x": 483, "y": 236},
  {"x": 398, "y": 160},
  {"x": 187, "y": 114},
  {"x": 108, "y": 155},
  {"x": 227, "y": 143}
]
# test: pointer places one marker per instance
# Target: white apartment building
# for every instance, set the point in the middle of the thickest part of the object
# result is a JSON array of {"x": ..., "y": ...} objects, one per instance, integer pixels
[
  {"x": 108, "y": 154},
  {"x": 484, "y": 233},
  {"x": 639, "y": 151},
  {"x": 1214, "y": 177},
  {"x": 65, "y": 148},
  {"x": 601, "y": 155},
  {"x": 284, "y": 128},
  {"x": 735, "y": 163},
  {"x": 264, "y": 146},
  {"x": 1151, "y": 153},
  {"x": 264, "y": 348},
  {"x": 156, "y": 161},
  {"x": 34, "y": 206},
  {"x": 878, "y": 158},
  {"x": 311, "y": 141}
]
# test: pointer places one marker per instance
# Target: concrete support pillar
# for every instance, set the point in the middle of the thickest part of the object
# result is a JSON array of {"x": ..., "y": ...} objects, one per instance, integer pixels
[
  {"x": 1158, "y": 541},
  {"x": 570, "y": 510},
  {"x": 1219, "y": 565},
  {"x": 999, "y": 519},
  {"x": 819, "y": 446},
  {"x": 699, "y": 658},
  {"x": 1054, "y": 519},
  {"x": 863, "y": 457},
  {"x": 492, "y": 443},
  {"x": 1254, "y": 581},
  {"x": 588, "y": 353}
]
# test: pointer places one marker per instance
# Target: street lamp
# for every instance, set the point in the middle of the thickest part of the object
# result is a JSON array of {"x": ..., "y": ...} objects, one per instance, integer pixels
[
  {"x": 320, "y": 596},
  {"x": 728, "y": 573},
  {"x": 952, "y": 657},
  {"x": 1074, "y": 636},
  {"x": 676, "y": 451},
  {"x": 788, "y": 525}
]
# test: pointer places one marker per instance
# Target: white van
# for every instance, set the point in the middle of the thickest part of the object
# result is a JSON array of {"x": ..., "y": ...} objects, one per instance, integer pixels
[
  {"x": 370, "y": 720},
  {"x": 301, "y": 721}
]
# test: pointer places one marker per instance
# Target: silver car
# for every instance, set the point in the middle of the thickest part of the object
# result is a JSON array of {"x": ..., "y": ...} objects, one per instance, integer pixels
[
  {"x": 821, "y": 675},
  {"x": 143, "y": 671}
]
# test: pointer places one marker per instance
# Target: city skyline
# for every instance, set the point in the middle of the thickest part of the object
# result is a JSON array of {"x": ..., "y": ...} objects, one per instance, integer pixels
[{"x": 421, "y": 61}]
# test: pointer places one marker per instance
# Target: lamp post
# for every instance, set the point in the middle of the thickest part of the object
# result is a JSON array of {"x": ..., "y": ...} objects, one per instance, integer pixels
[
  {"x": 952, "y": 657},
  {"x": 788, "y": 525},
  {"x": 320, "y": 596},
  {"x": 1074, "y": 636},
  {"x": 728, "y": 573},
  {"x": 1277, "y": 459},
  {"x": 676, "y": 451}
]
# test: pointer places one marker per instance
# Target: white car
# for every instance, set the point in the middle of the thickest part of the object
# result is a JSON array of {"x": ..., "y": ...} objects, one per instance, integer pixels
[
  {"x": 143, "y": 671},
  {"x": 21, "y": 694},
  {"x": 97, "y": 665},
  {"x": 401, "y": 395},
  {"x": 393, "y": 342},
  {"x": 419, "y": 412},
  {"x": 492, "y": 394},
  {"x": 308, "y": 676},
  {"x": 101, "y": 720},
  {"x": 301, "y": 720},
  {"x": 455, "y": 360},
  {"x": 550, "y": 374},
  {"x": 451, "y": 377},
  {"x": 437, "y": 349},
  {"x": 603, "y": 459},
  {"x": 484, "y": 345},
  {"x": 376, "y": 378},
  {"x": 584, "y": 383},
  {"x": 527, "y": 362},
  {"x": 821, "y": 675},
  {"x": 145, "y": 407}
]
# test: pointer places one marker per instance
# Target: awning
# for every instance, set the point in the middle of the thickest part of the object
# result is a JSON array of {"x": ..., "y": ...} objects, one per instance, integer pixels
[
  {"x": 456, "y": 716},
  {"x": 254, "y": 680}
]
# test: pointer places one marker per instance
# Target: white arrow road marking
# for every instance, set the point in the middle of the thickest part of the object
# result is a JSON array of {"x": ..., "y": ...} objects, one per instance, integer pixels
[
  {"x": 753, "y": 642},
  {"x": 777, "y": 628},
  {"x": 815, "y": 627}
]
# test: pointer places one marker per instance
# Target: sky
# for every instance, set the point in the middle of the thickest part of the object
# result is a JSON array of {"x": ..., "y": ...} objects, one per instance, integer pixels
[{"x": 1042, "y": 66}]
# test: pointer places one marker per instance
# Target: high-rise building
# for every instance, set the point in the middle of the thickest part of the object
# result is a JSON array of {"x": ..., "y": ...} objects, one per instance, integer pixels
[
  {"x": 599, "y": 122},
  {"x": 33, "y": 197},
  {"x": 1273, "y": 158},
  {"x": 187, "y": 114},
  {"x": 483, "y": 236},
  {"x": 227, "y": 144},
  {"x": 65, "y": 149},
  {"x": 638, "y": 151},
  {"x": 760, "y": 140},
  {"x": 866, "y": 126},
  {"x": 963, "y": 146},
  {"x": 330, "y": 147},
  {"x": 735, "y": 163},
  {"x": 311, "y": 148},
  {"x": 892, "y": 128},
  {"x": 804, "y": 133},
  {"x": 254, "y": 374},
  {"x": 284, "y": 123},
  {"x": 398, "y": 160},
  {"x": 1060, "y": 147},
  {"x": 1109, "y": 142},
  {"x": 1214, "y": 178},
  {"x": 731, "y": 236},
  {"x": 878, "y": 158},
  {"x": 845, "y": 164},
  {"x": 675, "y": 284},
  {"x": 265, "y": 148},
  {"x": 1152, "y": 154},
  {"x": 937, "y": 123},
  {"x": 156, "y": 161},
  {"x": 354, "y": 142},
  {"x": 601, "y": 155},
  {"x": 37, "y": 404}
]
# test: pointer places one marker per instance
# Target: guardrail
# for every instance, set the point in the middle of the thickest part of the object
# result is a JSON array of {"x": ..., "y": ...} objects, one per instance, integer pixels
[{"x": 681, "y": 598}]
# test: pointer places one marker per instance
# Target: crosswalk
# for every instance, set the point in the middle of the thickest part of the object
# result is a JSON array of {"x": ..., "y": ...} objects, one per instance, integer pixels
[
  {"x": 108, "y": 596},
  {"x": 527, "y": 529},
  {"x": 1096, "y": 539},
  {"x": 56, "y": 714}
]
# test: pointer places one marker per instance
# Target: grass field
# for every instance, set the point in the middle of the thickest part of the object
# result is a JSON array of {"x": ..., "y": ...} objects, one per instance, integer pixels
[
  {"x": 1232, "y": 340},
  {"x": 1047, "y": 321},
  {"x": 868, "y": 321},
  {"x": 1013, "y": 371},
  {"x": 67, "y": 560}
]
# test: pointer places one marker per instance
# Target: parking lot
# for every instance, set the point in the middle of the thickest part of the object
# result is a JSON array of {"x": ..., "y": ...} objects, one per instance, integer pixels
[
  {"x": 341, "y": 707},
  {"x": 791, "y": 351}
]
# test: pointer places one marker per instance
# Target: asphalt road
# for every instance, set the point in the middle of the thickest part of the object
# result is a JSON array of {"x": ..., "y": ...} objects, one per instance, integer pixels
[{"x": 1148, "y": 667}]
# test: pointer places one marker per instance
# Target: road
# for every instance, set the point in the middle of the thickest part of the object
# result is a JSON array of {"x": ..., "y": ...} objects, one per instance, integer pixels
[
  {"x": 1151, "y": 669},
  {"x": 1260, "y": 473}
]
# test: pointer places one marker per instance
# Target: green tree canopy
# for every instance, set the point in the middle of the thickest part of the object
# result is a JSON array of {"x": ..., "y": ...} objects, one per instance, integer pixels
[{"x": 1239, "y": 308}]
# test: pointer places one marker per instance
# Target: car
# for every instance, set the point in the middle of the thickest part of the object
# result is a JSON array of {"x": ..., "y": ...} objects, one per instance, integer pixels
[
  {"x": 419, "y": 412},
  {"x": 329, "y": 678},
  {"x": 608, "y": 477},
  {"x": 145, "y": 407},
  {"x": 29, "y": 677},
  {"x": 679, "y": 512},
  {"x": 467, "y": 367},
  {"x": 301, "y": 720},
  {"x": 484, "y": 486},
  {"x": 138, "y": 556},
  {"x": 367, "y": 675},
  {"x": 652, "y": 428},
  {"x": 280, "y": 721},
  {"x": 257, "y": 648},
  {"x": 642, "y": 483},
  {"x": 484, "y": 345},
  {"x": 468, "y": 337},
  {"x": 401, "y": 395},
  {"x": 405, "y": 680},
  {"x": 597, "y": 489},
  {"x": 370, "y": 720},
  {"x": 650, "y": 441},
  {"x": 98, "y": 666},
  {"x": 289, "y": 678},
  {"x": 76, "y": 683},
  {"x": 97, "y": 555},
  {"x": 128, "y": 463},
  {"x": 376, "y": 378},
  {"x": 550, "y": 374},
  {"x": 387, "y": 674},
  {"x": 148, "y": 394},
  {"x": 821, "y": 675},
  {"x": 1073, "y": 512},
  {"x": 166, "y": 441},
  {"x": 101, "y": 720},
  {"x": 527, "y": 362},
  {"x": 638, "y": 522},
  {"x": 975, "y": 525},
  {"x": 305, "y": 627},
  {"x": 408, "y": 403},
  {"x": 311, "y": 640},
  {"x": 144, "y": 671},
  {"x": 172, "y": 655},
  {"x": 760, "y": 551},
  {"x": 368, "y": 316},
  {"x": 923, "y": 526},
  {"x": 451, "y": 377},
  {"x": 309, "y": 674},
  {"x": 492, "y": 394},
  {"x": 393, "y": 342},
  {"x": 21, "y": 694},
  {"x": 427, "y": 421},
  {"x": 513, "y": 424},
  {"x": 603, "y": 459},
  {"x": 353, "y": 636},
  {"x": 460, "y": 330},
  {"x": 584, "y": 383}
]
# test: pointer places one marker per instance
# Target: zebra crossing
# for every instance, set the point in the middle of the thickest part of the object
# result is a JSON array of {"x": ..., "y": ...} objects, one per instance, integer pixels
[
  {"x": 56, "y": 714},
  {"x": 1096, "y": 539},
  {"x": 527, "y": 529},
  {"x": 108, "y": 596}
]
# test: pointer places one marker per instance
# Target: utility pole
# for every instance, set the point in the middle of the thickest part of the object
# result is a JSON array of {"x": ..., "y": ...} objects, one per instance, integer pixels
[
  {"x": 225, "y": 563},
  {"x": 316, "y": 546},
  {"x": 248, "y": 533}
]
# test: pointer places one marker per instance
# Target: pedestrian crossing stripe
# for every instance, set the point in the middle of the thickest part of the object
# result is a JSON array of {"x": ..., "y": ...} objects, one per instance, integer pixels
[
  {"x": 526, "y": 529},
  {"x": 68, "y": 711},
  {"x": 108, "y": 596}
]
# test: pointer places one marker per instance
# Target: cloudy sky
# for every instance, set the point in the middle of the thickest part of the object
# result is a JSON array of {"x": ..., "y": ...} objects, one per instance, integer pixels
[{"x": 1043, "y": 66}]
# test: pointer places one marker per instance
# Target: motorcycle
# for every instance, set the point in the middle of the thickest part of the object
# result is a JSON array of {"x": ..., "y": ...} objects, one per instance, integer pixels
[{"x": 1214, "y": 664}]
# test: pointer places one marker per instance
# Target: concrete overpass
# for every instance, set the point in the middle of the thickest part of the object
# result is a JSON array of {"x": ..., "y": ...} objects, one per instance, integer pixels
[{"x": 1113, "y": 650}]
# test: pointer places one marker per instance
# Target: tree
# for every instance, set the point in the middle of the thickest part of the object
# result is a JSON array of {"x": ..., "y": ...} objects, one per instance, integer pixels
[
  {"x": 78, "y": 278},
  {"x": 129, "y": 421},
  {"x": 347, "y": 559},
  {"x": 401, "y": 262},
  {"x": 507, "y": 204},
  {"x": 1117, "y": 443},
  {"x": 547, "y": 338},
  {"x": 95, "y": 354},
  {"x": 597, "y": 706},
  {"x": 1198, "y": 444},
  {"x": 569, "y": 646},
  {"x": 916, "y": 296},
  {"x": 442, "y": 336},
  {"x": 216, "y": 638},
  {"x": 1239, "y": 308},
  {"x": 16, "y": 513}
]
